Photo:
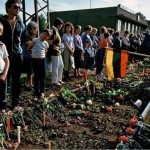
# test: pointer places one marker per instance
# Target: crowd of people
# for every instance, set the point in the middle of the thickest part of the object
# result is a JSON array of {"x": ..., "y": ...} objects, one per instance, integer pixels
[{"x": 23, "y": 51}]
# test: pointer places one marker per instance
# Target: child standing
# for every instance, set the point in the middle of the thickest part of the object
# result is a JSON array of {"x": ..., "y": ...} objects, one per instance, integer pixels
[
  {"x": 39, "y": 47},
  {"x": 101, "y": 54},
  {"x": 69, "y": 50},
  {"x": 4, "y": 65},
  {"x": 88, "y": 57},
  {"x": 32, "y": 29}
]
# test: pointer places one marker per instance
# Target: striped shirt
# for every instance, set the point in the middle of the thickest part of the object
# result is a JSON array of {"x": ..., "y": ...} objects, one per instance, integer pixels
[{"x": 39, "y": 49}]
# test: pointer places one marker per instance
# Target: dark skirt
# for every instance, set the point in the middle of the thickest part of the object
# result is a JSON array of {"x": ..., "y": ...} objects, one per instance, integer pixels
[
  {"x": 27, "y": 66},
  {"x": 77, "y": 59}
]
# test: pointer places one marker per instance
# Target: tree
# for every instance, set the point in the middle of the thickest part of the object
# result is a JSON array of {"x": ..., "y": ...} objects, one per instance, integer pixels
[{"x": 42, "y": 22}]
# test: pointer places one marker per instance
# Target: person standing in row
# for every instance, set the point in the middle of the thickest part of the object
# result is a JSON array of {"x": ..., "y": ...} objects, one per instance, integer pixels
[
  {"x": 13, "y": 37},
  {"x": 32, "y": 30},
  {"x": 39, "y": 48},
  {"x": 100, "y": 55},
  {"x": 79, "y": 51},
  {"x": 69, "y": 50},
  {"x": 87, "y": 30},
  {"x": 4, "y": 65},
  {"x": 54, "y": 53}
]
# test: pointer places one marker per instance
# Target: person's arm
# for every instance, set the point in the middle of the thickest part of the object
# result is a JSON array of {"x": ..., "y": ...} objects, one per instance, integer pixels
[
  {"x": 31, "y": 44},
  {"x": 66, "y": 44},
  {"x": 4, "y": 74},
  {"x": 77, "y": 46},
  {"x": 124, "y": 41}
]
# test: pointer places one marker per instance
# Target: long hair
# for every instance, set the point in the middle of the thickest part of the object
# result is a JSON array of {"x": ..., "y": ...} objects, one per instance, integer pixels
[{"x": 71, "y": 25}]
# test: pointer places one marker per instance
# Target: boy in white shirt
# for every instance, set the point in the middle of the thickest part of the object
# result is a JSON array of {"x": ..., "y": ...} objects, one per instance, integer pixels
[{"x": 4, "y": 65}]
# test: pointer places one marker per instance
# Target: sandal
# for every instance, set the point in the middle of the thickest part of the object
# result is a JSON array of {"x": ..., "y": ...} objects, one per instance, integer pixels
[
  {"x": 57, "y": 84},
  {"x": 61, "y": 82}
]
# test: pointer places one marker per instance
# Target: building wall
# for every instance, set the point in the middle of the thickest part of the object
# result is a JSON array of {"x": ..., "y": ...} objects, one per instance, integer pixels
[
  {"x": 111, "y": 17},
  {"x": 93, "y": 17}
]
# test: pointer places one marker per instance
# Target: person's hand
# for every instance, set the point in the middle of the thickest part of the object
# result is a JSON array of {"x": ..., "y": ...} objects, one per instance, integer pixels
[
  {"x": 71, "y": 52},
  {"x": 2, "y": 77}
]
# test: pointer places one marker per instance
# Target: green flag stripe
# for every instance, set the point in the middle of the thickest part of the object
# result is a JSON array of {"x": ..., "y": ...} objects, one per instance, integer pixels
[{"x": 116, "y": 64}]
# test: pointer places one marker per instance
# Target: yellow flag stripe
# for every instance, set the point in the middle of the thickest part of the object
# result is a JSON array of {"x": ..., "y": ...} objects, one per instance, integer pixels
[{"x": 109, "y": 63}]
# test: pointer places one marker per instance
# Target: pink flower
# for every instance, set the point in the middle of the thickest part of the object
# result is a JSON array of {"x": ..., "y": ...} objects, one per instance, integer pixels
[{"x": 119, "y": 80}]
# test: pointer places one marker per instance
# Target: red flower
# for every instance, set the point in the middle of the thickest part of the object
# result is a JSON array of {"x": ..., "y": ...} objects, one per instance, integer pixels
[
  {"x": 123, "y": 138},
  {"x": 130, "y": 131},
  {"x": 78, "y": 86},
  {"x": 133, "y": 121},
  {"x": 120, "y": 97}
]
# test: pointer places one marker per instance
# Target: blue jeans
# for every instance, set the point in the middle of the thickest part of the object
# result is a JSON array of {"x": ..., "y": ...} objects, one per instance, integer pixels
[{"x": 3, "y": 94}]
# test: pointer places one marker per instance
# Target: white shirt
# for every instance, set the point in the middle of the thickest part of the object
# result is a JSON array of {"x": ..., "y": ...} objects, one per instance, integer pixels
[{"x": 3, "y": 55}]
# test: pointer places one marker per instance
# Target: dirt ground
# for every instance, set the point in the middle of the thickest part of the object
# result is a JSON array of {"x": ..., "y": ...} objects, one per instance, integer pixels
[{"x": 90, "y": 128}]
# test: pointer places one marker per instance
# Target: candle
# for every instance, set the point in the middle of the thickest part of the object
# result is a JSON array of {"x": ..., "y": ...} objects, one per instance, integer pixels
[
  {"x": 8, "y": 124},
  {"x": 93, "y": 90},
  {"x": 49, "y": 145},
  {"x": 85, "y": 75},
  {"x": 44, "y": 119},
  {"x": 18, "y": 131}
]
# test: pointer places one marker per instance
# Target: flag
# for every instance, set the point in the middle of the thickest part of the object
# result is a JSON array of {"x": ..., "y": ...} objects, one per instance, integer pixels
[{"x": 116, "y": 63}]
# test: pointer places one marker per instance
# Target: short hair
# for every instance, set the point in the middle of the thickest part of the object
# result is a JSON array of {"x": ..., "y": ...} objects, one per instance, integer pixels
[
  {"x": 88, "y": 27},
  {"x": 9, "y": 3},
  {"x": 58, "y": 21},
  {"x": 77, "y": 27},
  {"x": 88, "y": 40},
  {"x": 126, "y": 32},
  {"x": 111, "y": 31},
  {"x": 117, "y": 33},
  {"x": 103, "y": 29},
  {"x": 94, "y": 29},
  {"x": 47, "y": 31},
  {"x": 106, "y": 35},
  {"x": 31, "y": 25}
]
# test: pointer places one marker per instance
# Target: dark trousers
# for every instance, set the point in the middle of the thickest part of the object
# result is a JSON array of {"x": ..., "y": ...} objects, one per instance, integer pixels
[
  {"x": 15, "y": 73},
  {"x": 99, "y": 60},
  {"x": 39, "y": 75},
  {"x": 3, "y": 94}
]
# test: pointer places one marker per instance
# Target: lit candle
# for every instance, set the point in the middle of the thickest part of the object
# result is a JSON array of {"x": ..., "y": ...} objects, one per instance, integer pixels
[
  {"x": 8, "y": 124},
  {"x": 18, "y": 131},
  {"x": 44, "y": 119},
  {"x": 49, "y": 145}
]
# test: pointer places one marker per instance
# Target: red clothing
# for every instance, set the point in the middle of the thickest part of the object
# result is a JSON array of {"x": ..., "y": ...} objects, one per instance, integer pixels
[{"x": 103, "y": 43}]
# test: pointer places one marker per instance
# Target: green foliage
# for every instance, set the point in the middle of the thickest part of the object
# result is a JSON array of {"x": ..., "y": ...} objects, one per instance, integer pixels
[{"x": 42, "y": 22}]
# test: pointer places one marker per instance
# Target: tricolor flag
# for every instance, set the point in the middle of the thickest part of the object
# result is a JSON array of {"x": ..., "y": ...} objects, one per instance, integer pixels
[{"x": 116, "y": 63}]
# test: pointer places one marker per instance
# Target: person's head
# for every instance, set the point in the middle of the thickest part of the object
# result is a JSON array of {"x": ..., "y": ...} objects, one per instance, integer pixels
[
  {"x": 126, "y": 33},
  {"x": 111, "y": 31},
  {"x": 77, "y": 29},
  {"x": 1, "y": 29},
  {"x": 32, "y": 28},
  {"x": 12, "y": 7},
  {"x": 94, "y": 31},
  {"x": 69, "y": 28},
  {"x": 106, "y": 35},
  {"x": 58, "y": 23},
  {"x": 88, "y": 43},
  {"x": 45, "y": 35},
  {"x": 88, "y": 29},
  {"x": 103, "y": 29},
  {"x": 117, "y": 33}
]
